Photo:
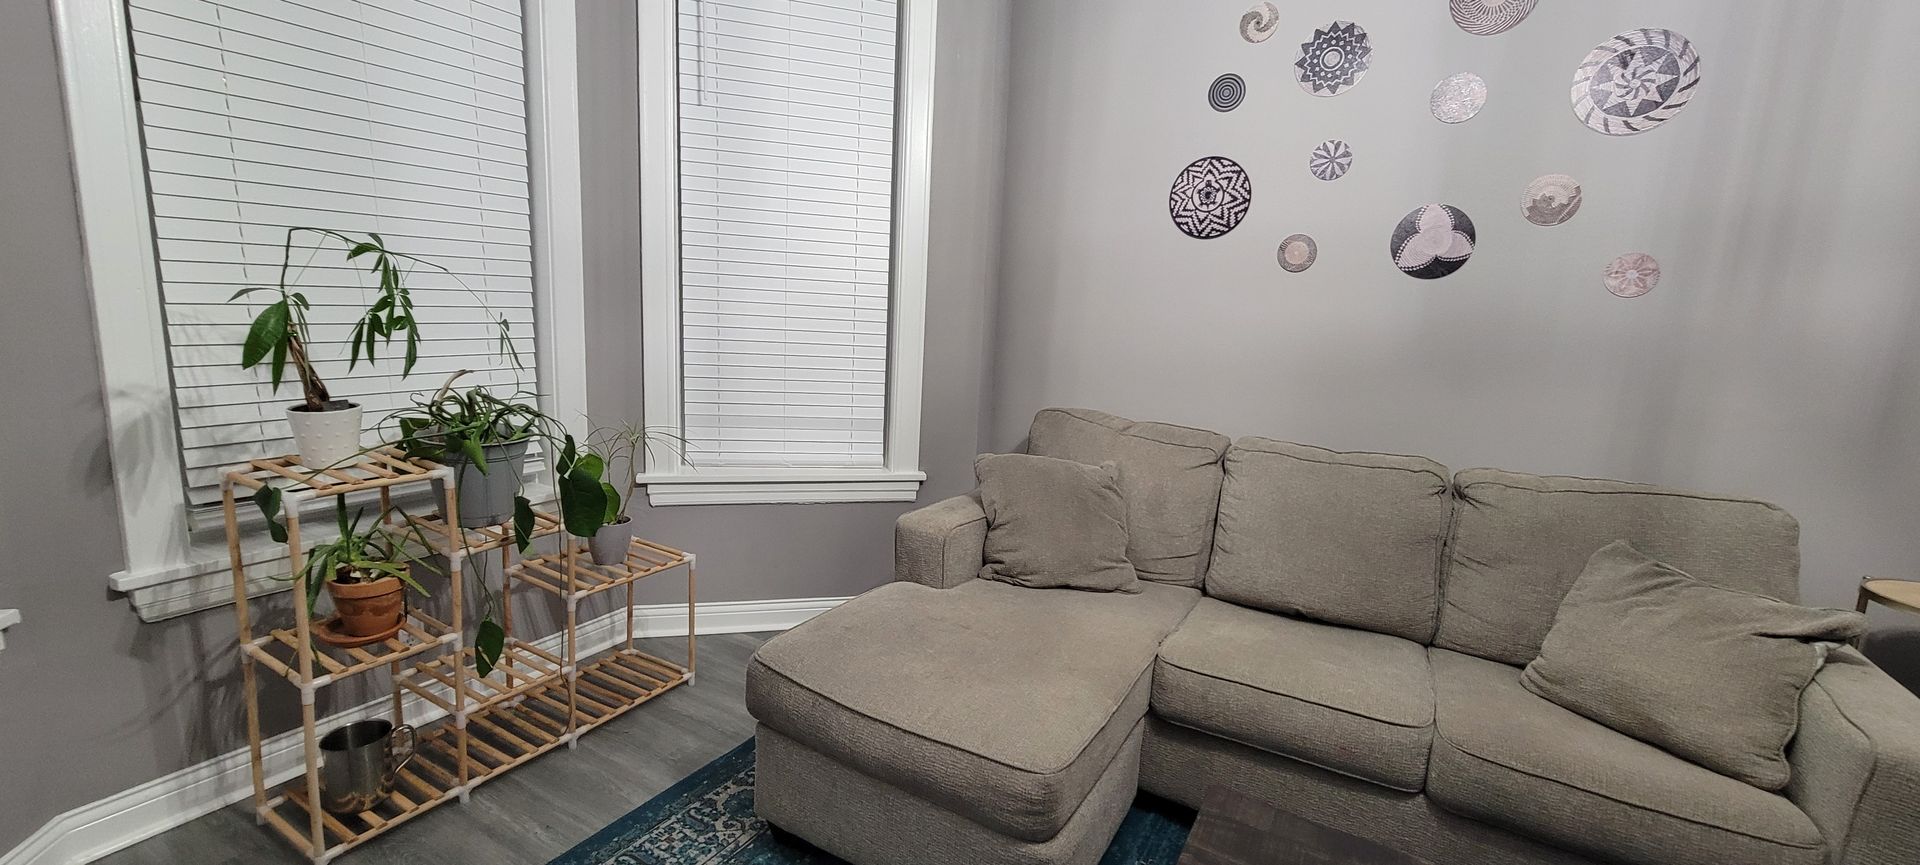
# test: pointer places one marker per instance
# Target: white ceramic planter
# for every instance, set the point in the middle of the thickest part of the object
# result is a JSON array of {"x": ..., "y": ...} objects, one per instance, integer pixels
[
  {"x": 324, "y": 437},
  {"x": 608, "y": 546}
]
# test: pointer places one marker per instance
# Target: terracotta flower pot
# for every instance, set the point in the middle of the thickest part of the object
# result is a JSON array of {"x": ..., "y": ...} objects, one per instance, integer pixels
[{"x": 369, "y": 608}]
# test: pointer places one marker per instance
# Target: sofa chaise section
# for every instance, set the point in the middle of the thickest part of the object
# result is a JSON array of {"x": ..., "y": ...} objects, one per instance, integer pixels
[{"x": 1003, "y": 704}]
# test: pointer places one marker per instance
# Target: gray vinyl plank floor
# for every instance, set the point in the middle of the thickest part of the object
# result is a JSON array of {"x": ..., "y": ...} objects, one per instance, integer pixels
[{"x": 535, "y": 812}]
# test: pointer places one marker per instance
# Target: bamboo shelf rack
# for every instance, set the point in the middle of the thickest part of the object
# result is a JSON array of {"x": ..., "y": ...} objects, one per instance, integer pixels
[{"x": 535, "y": 699}]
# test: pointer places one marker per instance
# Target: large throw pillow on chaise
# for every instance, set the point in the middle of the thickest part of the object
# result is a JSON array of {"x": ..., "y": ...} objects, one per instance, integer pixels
[
  {"x": 1053, "y": 524},
  {"x": 1711, "y": 674}
]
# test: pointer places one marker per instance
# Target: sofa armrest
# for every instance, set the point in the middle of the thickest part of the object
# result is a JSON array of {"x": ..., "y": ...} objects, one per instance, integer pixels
[
  {"x": 1856, "y": 763},
  {"x": 940, "y": 545}
]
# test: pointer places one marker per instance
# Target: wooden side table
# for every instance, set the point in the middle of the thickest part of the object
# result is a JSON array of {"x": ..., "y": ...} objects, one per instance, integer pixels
[{"x": 1897, "y": 594}]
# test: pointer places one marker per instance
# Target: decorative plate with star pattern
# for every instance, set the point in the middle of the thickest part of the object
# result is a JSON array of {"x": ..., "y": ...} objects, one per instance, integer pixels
[
  {"x": 1432, "y": 241},
  {"x": 1210, "y": 197},
  {"x": 1635, "y": 81},
  {"x": 1334, "y": 60}
]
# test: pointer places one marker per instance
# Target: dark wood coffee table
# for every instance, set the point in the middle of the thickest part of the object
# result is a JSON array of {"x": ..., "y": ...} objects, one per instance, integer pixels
[{"x": 1235, "y": 829}]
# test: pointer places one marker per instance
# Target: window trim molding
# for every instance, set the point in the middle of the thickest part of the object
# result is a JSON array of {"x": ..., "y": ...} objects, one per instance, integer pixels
[
  {"x": 168, "y": 573},
  {"x": 667, "y": 480},
  {"x": 8, "y": 618}
]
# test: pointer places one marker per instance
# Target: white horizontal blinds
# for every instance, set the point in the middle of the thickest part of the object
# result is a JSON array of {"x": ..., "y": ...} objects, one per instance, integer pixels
[
  {"x": 402, "y": 117},
  {"x": 786, "y": 177}
]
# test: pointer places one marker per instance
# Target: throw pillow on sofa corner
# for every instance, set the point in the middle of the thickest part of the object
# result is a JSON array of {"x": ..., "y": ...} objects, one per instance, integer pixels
[
  {"x": 1054, "y": 523},
  {"x": 1710, "y": 674}
]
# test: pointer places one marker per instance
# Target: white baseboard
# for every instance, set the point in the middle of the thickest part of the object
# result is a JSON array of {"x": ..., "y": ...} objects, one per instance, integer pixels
[{"x": 91, "y": 831}]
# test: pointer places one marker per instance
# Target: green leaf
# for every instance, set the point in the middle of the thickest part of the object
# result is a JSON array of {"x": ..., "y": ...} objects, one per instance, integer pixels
[
  {"x": 613, "y": 503},
  {"x": 489, "y": 640},
  {"x": 267, "y": 499},
  {"x": 246, "y": 291},
  {"x": 360, "y": 249},
  {"x": 523, "y": 523},
  {"x": 582, "y": 503},
  {"x": 268, "y": 331},
  {"x": 478, "y": 455}
]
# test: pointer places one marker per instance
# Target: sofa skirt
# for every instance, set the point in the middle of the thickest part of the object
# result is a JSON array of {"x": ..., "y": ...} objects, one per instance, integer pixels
[{"x": 869, "y": 822}]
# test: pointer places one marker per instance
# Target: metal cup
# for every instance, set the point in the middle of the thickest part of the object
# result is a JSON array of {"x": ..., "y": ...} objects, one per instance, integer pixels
[{"x": 360, "y": 762}]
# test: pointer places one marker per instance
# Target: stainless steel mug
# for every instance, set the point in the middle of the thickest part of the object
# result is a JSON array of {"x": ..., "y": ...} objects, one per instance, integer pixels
[{"x": 359, "y": 763}]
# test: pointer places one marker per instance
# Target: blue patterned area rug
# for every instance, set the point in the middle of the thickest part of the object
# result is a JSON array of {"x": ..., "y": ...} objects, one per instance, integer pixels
[{"x": 707, "y": 819}]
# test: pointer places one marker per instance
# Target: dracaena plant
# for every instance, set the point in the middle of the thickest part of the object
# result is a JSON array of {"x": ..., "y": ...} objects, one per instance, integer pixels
[
  {"x": 280, "y": 336},
  {"x": 460, "y": 424}
]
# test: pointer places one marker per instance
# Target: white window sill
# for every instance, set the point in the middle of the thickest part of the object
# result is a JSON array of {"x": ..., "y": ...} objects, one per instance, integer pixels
[
  {"x": 780, "y": 486},
  {"x": 8, "y": 618},
  {"x": 202, "y": 577}
]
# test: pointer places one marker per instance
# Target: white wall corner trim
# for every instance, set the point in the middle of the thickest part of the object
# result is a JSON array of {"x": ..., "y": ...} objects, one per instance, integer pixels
[
  {"x": 667, "y": 479},
  {"x": 169, "y": 571},
  {"x": 8, "y": 618},
  {"x": 94, "y": 830}
]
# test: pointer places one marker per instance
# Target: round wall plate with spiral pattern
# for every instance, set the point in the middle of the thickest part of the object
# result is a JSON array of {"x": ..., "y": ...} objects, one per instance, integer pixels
[
  {"x": 1226, "y": 92},
  {"x": 1260, "y": 22}
]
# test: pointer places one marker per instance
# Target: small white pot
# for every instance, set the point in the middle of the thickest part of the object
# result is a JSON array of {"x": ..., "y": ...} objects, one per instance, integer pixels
[{"x": 324, "y": 438}]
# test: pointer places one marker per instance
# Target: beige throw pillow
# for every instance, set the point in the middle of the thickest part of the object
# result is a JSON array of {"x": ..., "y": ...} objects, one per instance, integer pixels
[
  {"x": 1710, "y": 674},
  {"x": 1054, "y": 523}
]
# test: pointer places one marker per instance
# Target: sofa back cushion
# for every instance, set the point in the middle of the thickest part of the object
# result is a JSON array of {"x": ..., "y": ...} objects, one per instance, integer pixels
[
  {"x": 1349, "y": 538},
  {"x": 1520, "y": 540},
  {"x": 1169, "y": 476}
]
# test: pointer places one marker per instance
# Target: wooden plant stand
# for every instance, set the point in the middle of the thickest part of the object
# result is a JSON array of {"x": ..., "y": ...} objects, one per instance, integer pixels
[{"x": 534, "y": 700}]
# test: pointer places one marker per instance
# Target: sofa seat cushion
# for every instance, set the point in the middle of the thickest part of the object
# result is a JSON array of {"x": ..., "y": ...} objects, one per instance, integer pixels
[
  {"x": 1507, "y": 757},
  {"x": 1001, "y": 703},
  {"x": 1343, "y": 699},
  {"x": 1169, "y": 476}
]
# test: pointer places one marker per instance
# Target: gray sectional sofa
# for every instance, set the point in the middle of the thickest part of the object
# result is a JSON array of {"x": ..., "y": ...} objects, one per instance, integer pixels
[{"x": 1339, "y": 634}]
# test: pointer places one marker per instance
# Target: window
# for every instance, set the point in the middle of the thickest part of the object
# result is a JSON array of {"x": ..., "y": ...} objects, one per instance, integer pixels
[
  {"x": 784, "y": 226},
  {"x": 204, "y": 128}
]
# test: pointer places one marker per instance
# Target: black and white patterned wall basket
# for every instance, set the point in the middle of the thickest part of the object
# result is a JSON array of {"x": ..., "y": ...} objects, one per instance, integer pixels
[
  {"x": 1432, "y": 241},
  {"x": 1260, "y": 22},
  {"x": 1330, "y": 160},
  {"x": 1635, "y": 81},
  {"x": 1489, "y": 17},
  {"x": 1210, "y": 197},
  {"x": 1335, "y": 59},
  {"x": 1226, "y": 92}
]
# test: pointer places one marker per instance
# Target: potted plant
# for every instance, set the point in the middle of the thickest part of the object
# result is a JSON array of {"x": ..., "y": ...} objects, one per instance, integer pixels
[
  {"x": 619, "y": 449},
  {"x": 365, "y": 572},
  {"x": 483, "y": 437},
  {"x": 326, "y": 431}
]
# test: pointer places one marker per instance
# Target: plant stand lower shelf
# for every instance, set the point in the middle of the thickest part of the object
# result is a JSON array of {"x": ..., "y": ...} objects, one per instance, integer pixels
[{"x": 472, "y": 728}]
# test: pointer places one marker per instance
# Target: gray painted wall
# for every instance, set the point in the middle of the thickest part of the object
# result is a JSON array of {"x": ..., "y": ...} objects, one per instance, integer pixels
[
  {"x": 1776, "y": 359},
  {"x": 93, "y": 702}
]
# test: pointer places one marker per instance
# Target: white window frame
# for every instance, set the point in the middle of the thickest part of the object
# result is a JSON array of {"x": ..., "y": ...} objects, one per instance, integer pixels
[
  {"x": 667, "y": 479},
  {"x": 170, "y": 572}
]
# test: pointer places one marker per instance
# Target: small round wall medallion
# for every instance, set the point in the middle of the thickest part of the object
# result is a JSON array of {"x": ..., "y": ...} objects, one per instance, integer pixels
[
  {"x": 1489, "y": 17},
  {"x": 1210, "y": 197},
  {"x": 1432, "y": 241},
  {"x": 1260, "y": 22},
  {"x": 1335, "y": 59},
  {"x": 1331, "y": 160},
  {"x": 1631, "y": 275},
  {"x": 1457, "y": 98},
  {"x": 1226, "y": 92},
  {"x": 1550, "y": 199},
  {"x": 1297, "y": 253}
]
